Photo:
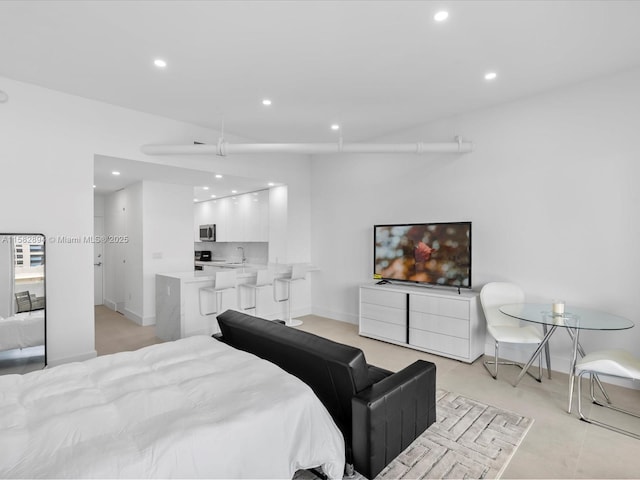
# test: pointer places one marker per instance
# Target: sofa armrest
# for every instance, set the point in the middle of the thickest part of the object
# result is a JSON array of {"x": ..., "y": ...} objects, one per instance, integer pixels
[
  {"x": 377, "y": 374},
  {"x": 390, "y": 414}
]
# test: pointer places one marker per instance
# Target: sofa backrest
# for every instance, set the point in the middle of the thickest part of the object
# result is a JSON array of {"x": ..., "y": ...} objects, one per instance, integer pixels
[{"x": 334, "y": 371}]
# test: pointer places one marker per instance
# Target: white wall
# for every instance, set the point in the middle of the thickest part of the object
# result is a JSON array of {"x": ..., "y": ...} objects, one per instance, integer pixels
[
  {"x": 167, "y": 232},
  {"x": 550, "y": 189},
  {"x": 56, "y": 136}
]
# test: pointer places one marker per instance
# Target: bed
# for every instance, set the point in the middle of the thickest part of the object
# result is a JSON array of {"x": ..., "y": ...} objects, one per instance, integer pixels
[
  {"x": 191, "y": 408},
  {"x": 22, "y": 330}
]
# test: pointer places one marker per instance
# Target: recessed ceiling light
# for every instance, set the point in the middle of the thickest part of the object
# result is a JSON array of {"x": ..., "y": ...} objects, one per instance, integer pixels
[
  {"x": 234, "y": 191},
  {"x": 490, "y": 76},
  {"x": 195, "y": 199},
  {"x": 205, "y": 188},
  {"x": 94, "y": 186},
  {"x": 335, "y": 126},
  {"x": 213, "y": 196},
  {"x": 158, "y": 62},
  {"x": 115, "y": 173},
  {"x": 441, "y": 16},
  {"x": 271, "y": 184},
  {"x": 218, "y": 176},
  {"x": 266, "y": 102}
]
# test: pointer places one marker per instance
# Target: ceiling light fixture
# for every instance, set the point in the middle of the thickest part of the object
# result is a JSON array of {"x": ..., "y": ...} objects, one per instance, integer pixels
[
  {"x": 234, "y": 191},
  {"x": 490, "y": 76},
  {"x": 441, "y": 16},
  {"x": 266, "y": 102},
  {"x": 218, "y": 176},
  {"x": 205, "y": 188},
  {"x": 271, "y": 184},
  {"x": 335, "y": 126},
  {"x": 158, "y": 62},
  {"x": 115, "y": 173}
]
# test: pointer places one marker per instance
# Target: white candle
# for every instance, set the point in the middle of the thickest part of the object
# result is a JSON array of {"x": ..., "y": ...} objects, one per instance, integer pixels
[{"x": 557, "y": 307}]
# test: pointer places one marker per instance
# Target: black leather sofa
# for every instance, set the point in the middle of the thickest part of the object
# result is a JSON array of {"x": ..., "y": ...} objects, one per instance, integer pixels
[{"x": 379, "y": 412}]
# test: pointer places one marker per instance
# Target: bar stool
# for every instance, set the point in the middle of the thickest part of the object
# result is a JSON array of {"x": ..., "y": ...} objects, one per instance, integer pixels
[
  {"x": 225, "y": 281},
  {"x": 614, "y": 363},
  {"x": 264, "y": 279},
  {"x": 298, "y": 272}
]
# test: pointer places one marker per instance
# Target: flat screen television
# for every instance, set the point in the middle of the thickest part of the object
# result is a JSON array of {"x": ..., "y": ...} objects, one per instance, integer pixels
[{"x": 423, "y": 253}]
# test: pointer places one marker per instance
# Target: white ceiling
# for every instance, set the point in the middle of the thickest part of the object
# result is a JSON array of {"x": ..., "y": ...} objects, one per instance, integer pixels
[
  {"x": 374, "y": 67},
  {"x": 206, "y": 185}
]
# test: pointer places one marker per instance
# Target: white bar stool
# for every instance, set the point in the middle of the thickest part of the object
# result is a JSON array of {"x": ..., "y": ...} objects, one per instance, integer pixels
[
  {"x": 298, "y": 272},
  {"x": 614, "y": 363},
  {"x": 264, "y": 279},
  {"x": 225, "y": 281}
]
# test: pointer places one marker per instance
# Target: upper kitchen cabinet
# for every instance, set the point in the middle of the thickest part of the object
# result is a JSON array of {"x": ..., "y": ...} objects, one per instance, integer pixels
[{"x": 241, "y": 218}]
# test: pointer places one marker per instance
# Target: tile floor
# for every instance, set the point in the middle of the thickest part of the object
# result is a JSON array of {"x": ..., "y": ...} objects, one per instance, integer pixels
[{"x": 558, "y": 444}]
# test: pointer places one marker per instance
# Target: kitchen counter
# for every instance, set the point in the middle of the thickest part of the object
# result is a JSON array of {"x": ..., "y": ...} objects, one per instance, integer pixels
[{"x": 181, "y": 308}]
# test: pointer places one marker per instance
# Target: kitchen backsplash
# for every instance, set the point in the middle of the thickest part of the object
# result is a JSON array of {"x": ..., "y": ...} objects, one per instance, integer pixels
[{"x": 254, "y": 252}]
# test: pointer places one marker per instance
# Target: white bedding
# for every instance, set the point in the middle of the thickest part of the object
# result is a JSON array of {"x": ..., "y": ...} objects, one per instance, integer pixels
[
  {"x": 22, "y": 330},
  {"x": 190, "y": 408}
]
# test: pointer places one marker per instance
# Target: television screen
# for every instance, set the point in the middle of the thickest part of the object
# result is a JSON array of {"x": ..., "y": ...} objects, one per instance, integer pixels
[{"x": 429, "y": 253}]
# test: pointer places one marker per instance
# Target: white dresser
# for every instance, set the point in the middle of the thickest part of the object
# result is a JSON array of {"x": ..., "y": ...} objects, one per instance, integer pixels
[{"x": 439, "y": 321}]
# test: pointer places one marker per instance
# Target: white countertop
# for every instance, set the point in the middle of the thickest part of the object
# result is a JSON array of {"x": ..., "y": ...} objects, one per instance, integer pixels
[{"x": 243, "y": 272}]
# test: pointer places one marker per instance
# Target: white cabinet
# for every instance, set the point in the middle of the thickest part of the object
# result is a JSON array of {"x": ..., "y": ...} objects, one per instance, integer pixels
[
  {"x": 443, "y": 322},
  {"x": 241, "y": 218}
]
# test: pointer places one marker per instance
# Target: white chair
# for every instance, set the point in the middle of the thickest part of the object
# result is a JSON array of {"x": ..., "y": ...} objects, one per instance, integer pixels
[
  {"x": 264, "y": 279},
  {"x": 613, "y": 363},
  {"x": 298, "y": 272},
  {"x": 225, "y": 281},
  {"x": 503, "y": 328}
]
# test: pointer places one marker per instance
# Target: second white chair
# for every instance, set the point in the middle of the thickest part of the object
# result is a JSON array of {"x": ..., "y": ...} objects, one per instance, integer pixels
[
  {"x": 503, "y": 328},
  {"x": 614, "y": 363}
]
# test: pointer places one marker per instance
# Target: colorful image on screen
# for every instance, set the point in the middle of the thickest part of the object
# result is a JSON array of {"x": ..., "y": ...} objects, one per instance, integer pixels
[{"x": 432, "y": 253}]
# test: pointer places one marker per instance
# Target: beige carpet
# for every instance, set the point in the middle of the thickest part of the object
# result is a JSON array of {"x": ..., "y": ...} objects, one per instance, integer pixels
[{"x": 469, "y": 440}]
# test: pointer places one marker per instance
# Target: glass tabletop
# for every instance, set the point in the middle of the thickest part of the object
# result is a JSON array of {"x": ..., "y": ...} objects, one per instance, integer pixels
[{"x": 573, "y": 317}]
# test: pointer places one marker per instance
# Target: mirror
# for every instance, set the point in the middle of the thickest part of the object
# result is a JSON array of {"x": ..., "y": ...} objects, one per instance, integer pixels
[{"x": 22, "y": 302}]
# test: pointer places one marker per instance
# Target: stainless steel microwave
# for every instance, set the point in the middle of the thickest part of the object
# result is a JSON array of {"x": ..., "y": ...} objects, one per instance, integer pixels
[{"x": 208, "y": 233}]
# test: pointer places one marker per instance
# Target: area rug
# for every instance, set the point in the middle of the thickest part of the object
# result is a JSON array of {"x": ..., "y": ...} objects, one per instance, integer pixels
[{"x": 469, "y": 440}]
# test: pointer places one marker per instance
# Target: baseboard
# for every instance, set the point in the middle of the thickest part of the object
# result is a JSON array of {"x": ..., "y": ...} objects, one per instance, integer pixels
[
  {"x": 110, "y": 304},
  {"x": 333, "y": 315},
  {"x": 133, "y": 316}
]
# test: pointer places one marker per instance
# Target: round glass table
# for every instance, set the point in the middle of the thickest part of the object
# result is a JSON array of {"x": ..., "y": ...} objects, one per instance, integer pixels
[{"x": 572, "y": 320}]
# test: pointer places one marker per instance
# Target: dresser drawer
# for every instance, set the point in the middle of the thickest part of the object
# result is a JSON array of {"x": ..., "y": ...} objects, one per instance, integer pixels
[
  {"x": 435, "y": 342},
  {"x": 383, "y": 297},
  {"x": 439, "y": 324},
  {"x": 449, "y": 307},
  {"x": 384, "y": 314},
  {"x": 397, "y": 333}
]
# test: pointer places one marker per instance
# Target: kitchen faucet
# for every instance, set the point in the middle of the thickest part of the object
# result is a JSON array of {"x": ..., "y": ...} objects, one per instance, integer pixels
[{"x": 244, "y": 259}]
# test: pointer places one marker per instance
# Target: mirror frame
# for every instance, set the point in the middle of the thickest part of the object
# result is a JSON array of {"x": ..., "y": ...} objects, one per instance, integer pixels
[{"x": 44, "y": 282}]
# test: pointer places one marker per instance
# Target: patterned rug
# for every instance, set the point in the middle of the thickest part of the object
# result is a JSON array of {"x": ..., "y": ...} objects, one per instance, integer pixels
[{"x": 469, "y": 440}]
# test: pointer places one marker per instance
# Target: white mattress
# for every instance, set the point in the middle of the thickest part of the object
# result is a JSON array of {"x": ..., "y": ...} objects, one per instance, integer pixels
[
  {"x": 190, "y": 408},
  {"x": 22, "y": 330}
]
